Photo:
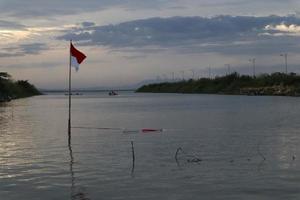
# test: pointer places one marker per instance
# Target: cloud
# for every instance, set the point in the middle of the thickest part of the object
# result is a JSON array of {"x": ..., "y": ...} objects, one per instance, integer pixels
[
  {"x": 39, "y": 8},
  {"x": 283, "y": 29},
  {"x": 224, "y": 34},
  {"x": 46, "y": 64},
  {"x": 10, "y": 25},
  {"x": 34, "y": 48},
  {"x": 88, "y": 24},
  {"x": 23, "y": 49},
  {"x": 46, "y": 8},
  {"x": 10, "y": 30},
  {"x": 13, "y": 32}
]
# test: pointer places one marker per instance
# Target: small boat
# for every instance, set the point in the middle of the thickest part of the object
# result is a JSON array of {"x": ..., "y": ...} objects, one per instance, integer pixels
[
  {"x": 112, "y": 93},
  {"x": 77, "y": 94}
]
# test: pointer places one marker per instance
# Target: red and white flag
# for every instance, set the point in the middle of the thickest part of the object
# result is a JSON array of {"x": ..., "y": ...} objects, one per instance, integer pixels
[{"x": 77, "y": 57}]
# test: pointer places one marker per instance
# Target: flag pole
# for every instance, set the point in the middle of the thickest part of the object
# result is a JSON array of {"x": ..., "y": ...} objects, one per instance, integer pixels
[{"x": 69, "y": 120}]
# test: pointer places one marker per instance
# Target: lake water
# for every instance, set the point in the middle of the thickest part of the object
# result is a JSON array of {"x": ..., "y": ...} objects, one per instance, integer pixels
[{"x": 234, "y": 147}]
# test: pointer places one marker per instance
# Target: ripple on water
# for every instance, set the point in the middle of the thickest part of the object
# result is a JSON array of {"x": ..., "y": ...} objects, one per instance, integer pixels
[{"x": 229, "y": 138}]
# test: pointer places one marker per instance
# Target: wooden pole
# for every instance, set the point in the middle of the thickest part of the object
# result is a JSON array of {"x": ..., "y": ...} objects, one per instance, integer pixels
[
  {"x": 285, "y": 57},
  {"x": 254, "y": 65},
  {"x": 133, "y": 158},
  {"x": 253, "y": 60},
  {"x": 69, "y": 120}
]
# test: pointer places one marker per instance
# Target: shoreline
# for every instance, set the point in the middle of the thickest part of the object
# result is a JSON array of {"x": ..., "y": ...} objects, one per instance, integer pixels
[
  {"x": 276, "y": 84},
  {"x": 11, "y": 89},
  {"x": 9, "y": 98},
  {"x": 226, "y": 94},
  {"x": 261, "y": 91}
]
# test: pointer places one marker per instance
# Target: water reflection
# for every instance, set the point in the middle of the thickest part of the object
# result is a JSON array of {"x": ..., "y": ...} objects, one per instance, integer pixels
[
  {"x": 261, "y": 166},
  {"x": 4, "y": 118},
  {"x": 16, "y": 144},
  {"x": 76, "y": 193}
]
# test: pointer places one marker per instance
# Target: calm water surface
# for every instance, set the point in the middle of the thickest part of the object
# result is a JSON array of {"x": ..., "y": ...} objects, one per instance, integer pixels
[{"x": 231, "y": 135}]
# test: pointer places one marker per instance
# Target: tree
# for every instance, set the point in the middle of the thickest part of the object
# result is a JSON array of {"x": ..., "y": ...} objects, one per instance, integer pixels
[{"x": 4, "y": 75}]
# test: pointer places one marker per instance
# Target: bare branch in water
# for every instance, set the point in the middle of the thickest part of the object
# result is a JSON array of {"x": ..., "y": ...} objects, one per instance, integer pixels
[{"x": 259, "y": 153}]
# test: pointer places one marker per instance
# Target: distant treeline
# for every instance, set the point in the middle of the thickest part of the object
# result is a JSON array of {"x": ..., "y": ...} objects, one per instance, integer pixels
[
  {"x": 10, "y": 89},
  {"x": 265, "y": 84}
]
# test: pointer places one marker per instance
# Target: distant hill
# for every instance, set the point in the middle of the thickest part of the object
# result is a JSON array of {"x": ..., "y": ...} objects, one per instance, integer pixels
[
  {"x": 265, "y": 84},
  {"x": 10, "y": 89},
  {"x": 130, "y": 87}
]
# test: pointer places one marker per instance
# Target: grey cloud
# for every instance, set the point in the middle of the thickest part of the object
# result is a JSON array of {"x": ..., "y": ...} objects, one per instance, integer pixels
[
  {"x": 46, "y": 8},
  {"x": 23, "y": 49},
  {"x": 34, "y": 48},
  {"x": 13, "y": 54},
  {"x": 256, "y": 46},
  {"x": 88, "y": 24},
  {"x": 11, "y": 25},
  {"x": 36, "y": 8},
  {"x": 224, "y": 34},
  {"x": 34, "y": 65}
]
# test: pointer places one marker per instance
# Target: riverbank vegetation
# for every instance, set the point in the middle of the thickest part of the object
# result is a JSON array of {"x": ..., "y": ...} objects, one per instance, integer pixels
[
  {"x": 265, "y": 84},
  {"x": 11, "y": 89}
]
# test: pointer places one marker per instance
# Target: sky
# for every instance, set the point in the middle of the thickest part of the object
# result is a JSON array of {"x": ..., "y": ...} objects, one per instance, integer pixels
[{"x": 130, "y": 41}]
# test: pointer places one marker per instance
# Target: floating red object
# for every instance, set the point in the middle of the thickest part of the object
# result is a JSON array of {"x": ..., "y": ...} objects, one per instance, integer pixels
[{"x": 145, "y": 130}]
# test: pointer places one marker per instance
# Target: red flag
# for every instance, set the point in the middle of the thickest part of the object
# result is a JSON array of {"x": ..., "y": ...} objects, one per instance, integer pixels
[{"x": 77, "y": 57}]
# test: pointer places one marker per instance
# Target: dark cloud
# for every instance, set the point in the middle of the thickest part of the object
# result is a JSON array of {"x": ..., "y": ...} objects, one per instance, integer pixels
[
  {"x": 88, "y": 24},
  {"x": 23, "y": 49},
  {"x": 224, "y": 34}
]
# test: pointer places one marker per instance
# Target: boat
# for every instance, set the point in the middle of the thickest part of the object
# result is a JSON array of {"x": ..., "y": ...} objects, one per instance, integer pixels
[
  {"x": 112, "y": 93},
  {"x": 77, "y": 94}
]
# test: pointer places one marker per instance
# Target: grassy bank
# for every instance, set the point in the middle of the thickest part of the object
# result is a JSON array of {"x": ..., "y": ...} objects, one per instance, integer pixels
[
  {"x": 265, "y": 84},
  {"x": 10, "y": 89}
]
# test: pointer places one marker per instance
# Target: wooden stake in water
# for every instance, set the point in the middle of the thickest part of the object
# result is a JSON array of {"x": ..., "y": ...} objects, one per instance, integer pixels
[
  {"x": 133, "y": 158},
  {"x": 69, "y": 120}
]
